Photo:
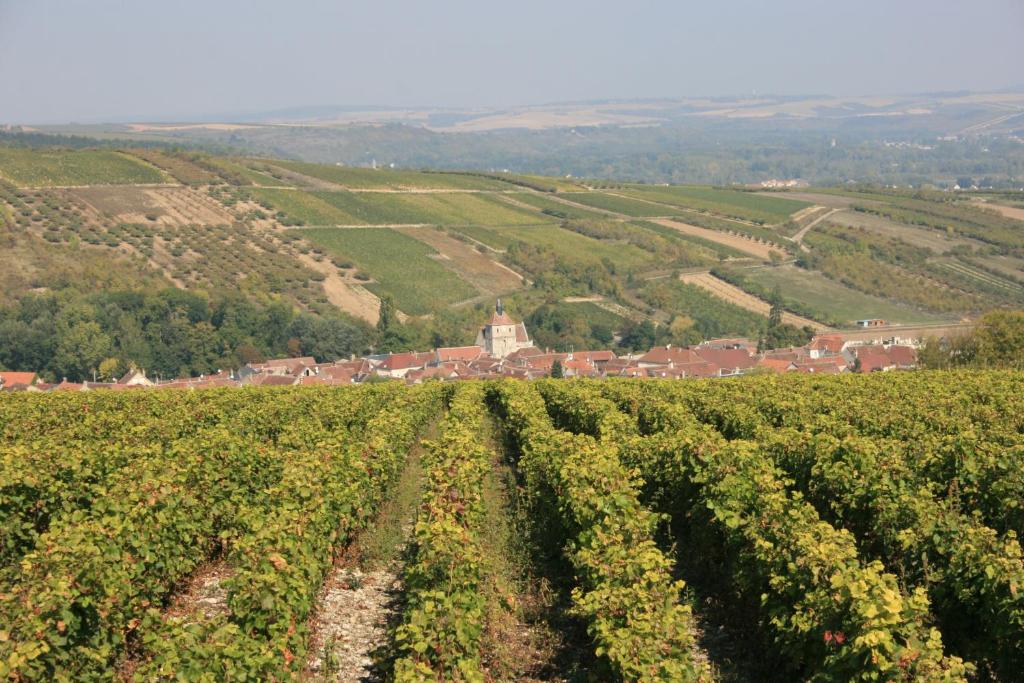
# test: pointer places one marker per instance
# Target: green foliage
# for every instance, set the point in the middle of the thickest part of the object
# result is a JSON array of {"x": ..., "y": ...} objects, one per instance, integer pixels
[
  {"x": 46, "y": 168},
  {"x": 626, "y": 591},
  {"x": 712, "y": 317},
  {"x": 400, "y": 265},
  {"x": 749, "y": 206},
  {"x": 441, "y": 630},
  {"x": 168, "y": 333}
]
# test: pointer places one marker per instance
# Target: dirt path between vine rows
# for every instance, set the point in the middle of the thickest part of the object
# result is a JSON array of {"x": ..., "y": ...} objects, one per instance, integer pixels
[{"x": 360, "y": 600}]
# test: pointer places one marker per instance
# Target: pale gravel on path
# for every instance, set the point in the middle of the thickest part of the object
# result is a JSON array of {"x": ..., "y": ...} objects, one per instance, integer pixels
[{"x": 355, "y": 612}]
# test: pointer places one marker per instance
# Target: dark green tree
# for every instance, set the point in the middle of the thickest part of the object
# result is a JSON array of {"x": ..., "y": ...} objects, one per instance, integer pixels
[{"x": 556, "y": 370}]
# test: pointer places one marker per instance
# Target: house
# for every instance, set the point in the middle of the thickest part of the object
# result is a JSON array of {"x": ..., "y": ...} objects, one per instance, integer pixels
[
  {"x": 826, "y": 345},
  {"x": 272, "y": 380},
  {"x": 831, "y": 365},
  {"x": 502, "y": 336},
  {"x": 397, "y": 365},
  {"x": 729, "y": 343},
  {"x": 135, "y": 378},
  {"x": 776, "y": 364},
  {"x": 668, "y": 355},
  {"x": 292, "y": 367},
  {"x": 878, "y": 358},
  {"x": 458, "y": 353},
  {"x": 17, "y": 380},
  {"x": 732, "y": 361}
]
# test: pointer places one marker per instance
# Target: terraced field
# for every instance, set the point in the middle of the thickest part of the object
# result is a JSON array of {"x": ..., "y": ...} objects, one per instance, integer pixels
[
  {"x": 842, "y": 303},
  {"x": 55, "y": 168},
  {"x": 401, "y": 266}
]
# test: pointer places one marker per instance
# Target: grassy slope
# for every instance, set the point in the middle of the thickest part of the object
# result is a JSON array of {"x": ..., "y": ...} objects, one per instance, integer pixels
[
  {"x": 436, "y": 208},
  {"x": 47, "y": 168},
  {"x": 383, "y": 179},
  {"x": 576, "y": 246},
  {"x": 401, "y": 266},
  {"x": 744, "y": 205},
  {"x": 841, "y": 302}
]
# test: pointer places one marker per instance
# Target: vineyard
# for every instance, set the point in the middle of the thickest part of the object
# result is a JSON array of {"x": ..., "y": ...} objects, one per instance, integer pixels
[{"x": 766, "y": 528}]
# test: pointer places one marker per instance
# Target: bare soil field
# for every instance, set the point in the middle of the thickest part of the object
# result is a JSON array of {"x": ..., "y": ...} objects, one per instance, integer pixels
[
  {"x": 1008, "y": 211},
  {"x": 169, "y": 205},
  {"x": 737, "y": 296},
  {"x": 746, "y": 245},
  {"x": 349, "y": 297},
  {"x": 476, "y": 268}
]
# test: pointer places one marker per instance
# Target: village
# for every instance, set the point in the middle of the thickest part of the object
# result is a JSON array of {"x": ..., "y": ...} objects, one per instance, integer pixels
[{"x": 503, "y": 348}]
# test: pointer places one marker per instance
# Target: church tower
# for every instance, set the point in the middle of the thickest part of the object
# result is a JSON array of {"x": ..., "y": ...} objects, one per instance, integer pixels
[{"x": 502, "y": 335}]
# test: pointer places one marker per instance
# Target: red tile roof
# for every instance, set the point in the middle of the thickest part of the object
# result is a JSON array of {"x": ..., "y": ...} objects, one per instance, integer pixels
[
  {"x": 406, "y": 360},
  {"x": 775, "y": 364},
  {"x": 500, "y": 319},
  {"x": 9, "y": 379},
  {"x": 663, "y": 355},
  {"x": 833, "y": 343},
  {"x": 727, "y": 358},
  {"x": 463, "y": 353}
]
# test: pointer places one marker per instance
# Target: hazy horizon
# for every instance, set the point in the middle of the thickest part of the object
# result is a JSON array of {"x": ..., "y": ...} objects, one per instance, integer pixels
[{"x": 108, "y": 61}]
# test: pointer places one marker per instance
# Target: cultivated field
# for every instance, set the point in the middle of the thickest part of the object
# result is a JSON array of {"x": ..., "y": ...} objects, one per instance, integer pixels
[
  {"x": 400, "y": 265},
  {"x": 162, "y": 205},
  {"x": 764, "y": 528},
  {"x": 55, "y": 168},
  {"x": 480, "y": 270},
  {"x": 738, "y": 297},
  {"x": 841, "y": 302},
  {"x": 737, "y": 242}
]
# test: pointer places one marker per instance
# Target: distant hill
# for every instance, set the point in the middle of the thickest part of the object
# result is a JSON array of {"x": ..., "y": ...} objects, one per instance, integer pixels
[
  {"x": 585, "y": 262},
  {"x": 912, "y": 139}
]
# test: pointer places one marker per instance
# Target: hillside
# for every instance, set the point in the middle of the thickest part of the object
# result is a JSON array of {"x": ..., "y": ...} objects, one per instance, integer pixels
[{"x": 329, "y": 242}]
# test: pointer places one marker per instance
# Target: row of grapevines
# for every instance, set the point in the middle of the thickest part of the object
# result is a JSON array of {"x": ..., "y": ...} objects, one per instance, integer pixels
[
  {"x": 439, "y": 638},
  {"x": 808, "y": 575},
  {"x": 83, "y": 592},
  {"x": 972, "y": 574},
  {"x": 960, "y": 431},
  {"x": 50, "y": 476},
  {"x": 92, "y": 575},
  {"x": 626, "y": 591},
  {"x": 283, "y": 549}
]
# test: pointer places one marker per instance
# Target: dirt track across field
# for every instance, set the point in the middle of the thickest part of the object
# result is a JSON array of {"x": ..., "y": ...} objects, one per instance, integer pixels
[
  {"x": 744, "y": 244},
  {"x": 350, "y": 298},
  {"x": 477, "y": 268},
  {"x": 735, "y": 295},
  {"x": 1008, "y": 211}
]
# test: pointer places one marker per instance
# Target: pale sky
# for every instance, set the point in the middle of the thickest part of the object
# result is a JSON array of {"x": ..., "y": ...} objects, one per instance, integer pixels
[{"x": 122, "y": 60}]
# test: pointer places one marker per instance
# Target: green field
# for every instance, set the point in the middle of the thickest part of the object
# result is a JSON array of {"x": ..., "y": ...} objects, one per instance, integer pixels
[
  {"x": 573, "y": 245},
  {"x": 542, "y": 202},
  {"x": 303, "y": 206},
  {"x": 384, "y": 179},
  {"x": 436, "y": 208},
  {"x": 247, "y": 176},
  {"x": 834, "y": 299},
  {"x": 743, "y": 205},
  {"x": 495, "y": 239},
  {"x": 594, "y": 314},
  {"x": 401, "y": 265},
  {"x": 54, "y": 167},
  {"x": 623, "y": 205}
]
